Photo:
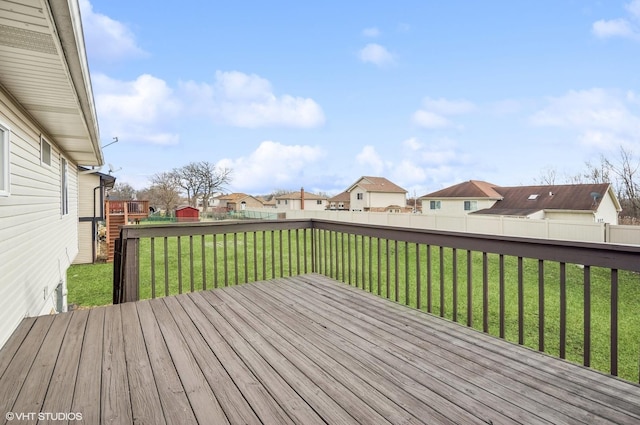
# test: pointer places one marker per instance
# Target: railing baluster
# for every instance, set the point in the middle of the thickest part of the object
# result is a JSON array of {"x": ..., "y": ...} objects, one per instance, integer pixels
[
  {"x": 331, "y": 254},
  {"x": 407, "y": 299},
  {"x": 379, "y": 267},
  {"x": 246, "y": 260},
  {"x": 563, "y": 310},
  {"x": 520, "y": 302},
  {"x": 396, "y": 285},
  {"x": 153, "y": 268},
  {"x": 418, "y": 279},
  {"x": 166, "y": 263},
  {"x": 362, "y": 250},
  {"x": 204, "y": 263},
  {"x": 441, "y": 249},
  {"x": 613, "y": 356},
  {"x": 469, "y": 290},
  {"x": 355, "y": 246},
  {"x": 485, "y": 293},
  {"x": 370, "y": 264},
  {"x": 540, "y": 305},
  {"x": 255, "y": 256},
  {"x": 273, "y": 255},
  {"x": 587, "y": 316},
  {"x": 429, "y": 283},
  {"x": 226, "y": 256},
  {"x": 264, "y": 255},
  {"x": 289, "y": 257},
  {"x": 388, "y": 269},
  {"x": 304, "y": 244},
  {"x": 191, "y": 281},
  {"x": 235, "y": 258},
  {"x": 280, "y": 251},
  {"x": 349, "y": 258},
  {"x": 454, "y": 266},
  {"x": 179, "y": 264},
  {"x": 501, "y": 293},
  {"x": 215, "y": 261}
]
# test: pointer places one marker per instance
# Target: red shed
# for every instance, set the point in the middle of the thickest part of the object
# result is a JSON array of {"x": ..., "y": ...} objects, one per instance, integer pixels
[{"x": 187, "y": 214}]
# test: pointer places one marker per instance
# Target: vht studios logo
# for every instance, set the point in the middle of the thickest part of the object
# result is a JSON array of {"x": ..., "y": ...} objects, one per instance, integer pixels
[{"x": 43, "y": 416}]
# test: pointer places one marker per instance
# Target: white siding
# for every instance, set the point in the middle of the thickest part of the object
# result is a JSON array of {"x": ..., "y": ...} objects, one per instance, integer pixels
[
  {"x": 37, "y": 242},
  {"x": 607, "y": 212},
  {"x": 85, "y": 244},
  {"x": 453, "y": 207}
]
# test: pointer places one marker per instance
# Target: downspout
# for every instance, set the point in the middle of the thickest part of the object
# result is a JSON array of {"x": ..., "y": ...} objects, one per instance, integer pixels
[
  {"x": 302, "y": 198},
  {"x": 93, "y": 223}
]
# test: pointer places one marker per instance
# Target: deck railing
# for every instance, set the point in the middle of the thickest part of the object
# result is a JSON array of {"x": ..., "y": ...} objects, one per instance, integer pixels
[
  {"x": 578, "y": 301},
  {"x": 128, "y": 207}
]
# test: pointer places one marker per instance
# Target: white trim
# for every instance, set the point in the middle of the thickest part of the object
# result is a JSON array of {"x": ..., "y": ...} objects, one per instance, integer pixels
[
  {"x": 5, "y": 141},
  {"x": 44, "y": 141}
]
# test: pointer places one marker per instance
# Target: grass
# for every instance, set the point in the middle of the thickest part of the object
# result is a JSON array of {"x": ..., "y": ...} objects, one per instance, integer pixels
[{"x": 195, "y": 263}]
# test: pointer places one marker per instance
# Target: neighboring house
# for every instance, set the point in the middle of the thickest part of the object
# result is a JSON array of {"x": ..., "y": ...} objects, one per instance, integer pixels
[
  {"x": 301, "y": 201},
  {"x": 373, "y": 193},
  {"x": 92, "y": 188},
  {"x": 460, "y": 199},
  {"x": 239, "y": 202},
  {"x": 213, "y": 202},
  {"x": 340, "y": 202},
  {"x": 48, "y": 127},
  {"x": 573, "y": 202},
  {"x": 267, "y": 201}
]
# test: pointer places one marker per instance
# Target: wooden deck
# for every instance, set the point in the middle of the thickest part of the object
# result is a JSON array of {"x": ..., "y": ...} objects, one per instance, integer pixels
[{"x": 303, "y": 350}]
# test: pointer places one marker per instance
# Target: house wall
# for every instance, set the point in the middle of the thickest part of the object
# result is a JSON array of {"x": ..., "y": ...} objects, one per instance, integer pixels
[
  {"x": 586, "y": 217},
  {"x": 454, "y": 207},
  {"x": 607, "y": 212},
  {"x": 374, "y": 199},
  {"x": 86, "y": 204},
  {"x": 37, "y": 242}
]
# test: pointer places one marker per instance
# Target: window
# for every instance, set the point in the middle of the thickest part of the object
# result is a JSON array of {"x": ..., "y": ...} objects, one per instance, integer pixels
[
  {"x": 319, "y": 202},
  {"x": 4, "y": 160},
  {"x": 65, "y": 186},
  {"x": 360, "y": 196},
  {"x": 45, "y": 152},
  {"x": 434, "y": 205},
  {"x": 470, "y": 205}
]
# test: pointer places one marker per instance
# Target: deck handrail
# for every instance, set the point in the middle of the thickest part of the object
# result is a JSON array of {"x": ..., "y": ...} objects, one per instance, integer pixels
[{"x": 389, "y": 261}]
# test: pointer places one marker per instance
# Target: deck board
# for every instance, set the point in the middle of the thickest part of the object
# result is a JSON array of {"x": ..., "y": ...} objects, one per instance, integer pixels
[{"x": 303, "y": 350}]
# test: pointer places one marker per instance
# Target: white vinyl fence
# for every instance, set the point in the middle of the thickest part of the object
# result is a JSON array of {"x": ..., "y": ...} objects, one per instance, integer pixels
[{"x": 507, "y": 226}]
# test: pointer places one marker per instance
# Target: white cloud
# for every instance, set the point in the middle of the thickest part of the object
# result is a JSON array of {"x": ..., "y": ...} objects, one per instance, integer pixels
[
  {"x": 603, "y": 118},
  {"x": 244, "y": 100},
  {"x": 136, "y": 110},
  {"x": 613, "y": 28},
  {"x": 371, "y": 32},
  {"x": 620, "y": 27},
  {"x": 431, "y": 120},
  {"x": 272, "y": 165},
  {"x": 106, "y": 38},
  {"x": 369, "y": 158},
  {"x": 376, "y": 54},
  {"x": 434, "y": 112}
]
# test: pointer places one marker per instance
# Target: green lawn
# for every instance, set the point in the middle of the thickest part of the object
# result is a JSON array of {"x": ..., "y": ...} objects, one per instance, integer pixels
[{"x": 184, "y": 270}]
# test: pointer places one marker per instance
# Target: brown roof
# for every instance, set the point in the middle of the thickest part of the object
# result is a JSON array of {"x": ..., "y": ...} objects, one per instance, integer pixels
[
  {"x": 296, "y": 195},
  {"x": 341, "y": 197},
  {"x": 525, "y": 200},
  {"x": 234, "y": 196},
  {"x": 475, "y": 189},
  {"x": 377, "y": 184}
]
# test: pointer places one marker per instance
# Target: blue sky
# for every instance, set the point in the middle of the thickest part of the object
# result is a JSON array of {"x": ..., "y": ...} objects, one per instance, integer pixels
[{"x": 315, "y": 94}]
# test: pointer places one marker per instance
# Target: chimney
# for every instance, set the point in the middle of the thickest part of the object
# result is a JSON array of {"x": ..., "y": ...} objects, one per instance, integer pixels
[{"x": 302, "y": 198}]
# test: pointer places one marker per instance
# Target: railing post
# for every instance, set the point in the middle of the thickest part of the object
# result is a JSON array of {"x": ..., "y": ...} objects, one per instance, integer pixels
[{"x": 130, "y": 267}]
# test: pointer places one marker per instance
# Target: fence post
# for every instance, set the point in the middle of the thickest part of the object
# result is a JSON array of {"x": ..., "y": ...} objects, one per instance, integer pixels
[{"x": 130, "y": 264}]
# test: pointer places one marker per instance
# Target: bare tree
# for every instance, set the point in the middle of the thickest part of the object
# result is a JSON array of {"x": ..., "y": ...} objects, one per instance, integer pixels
[
  {"x": 164, "y": 191},
  {"x": 212, "y": 180},
  {"x": 625, "y": 169},
  {"x": 548, "y": 176},
  {"x": 189, "y": 180},
  {"x": 122, "y": 191}
]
